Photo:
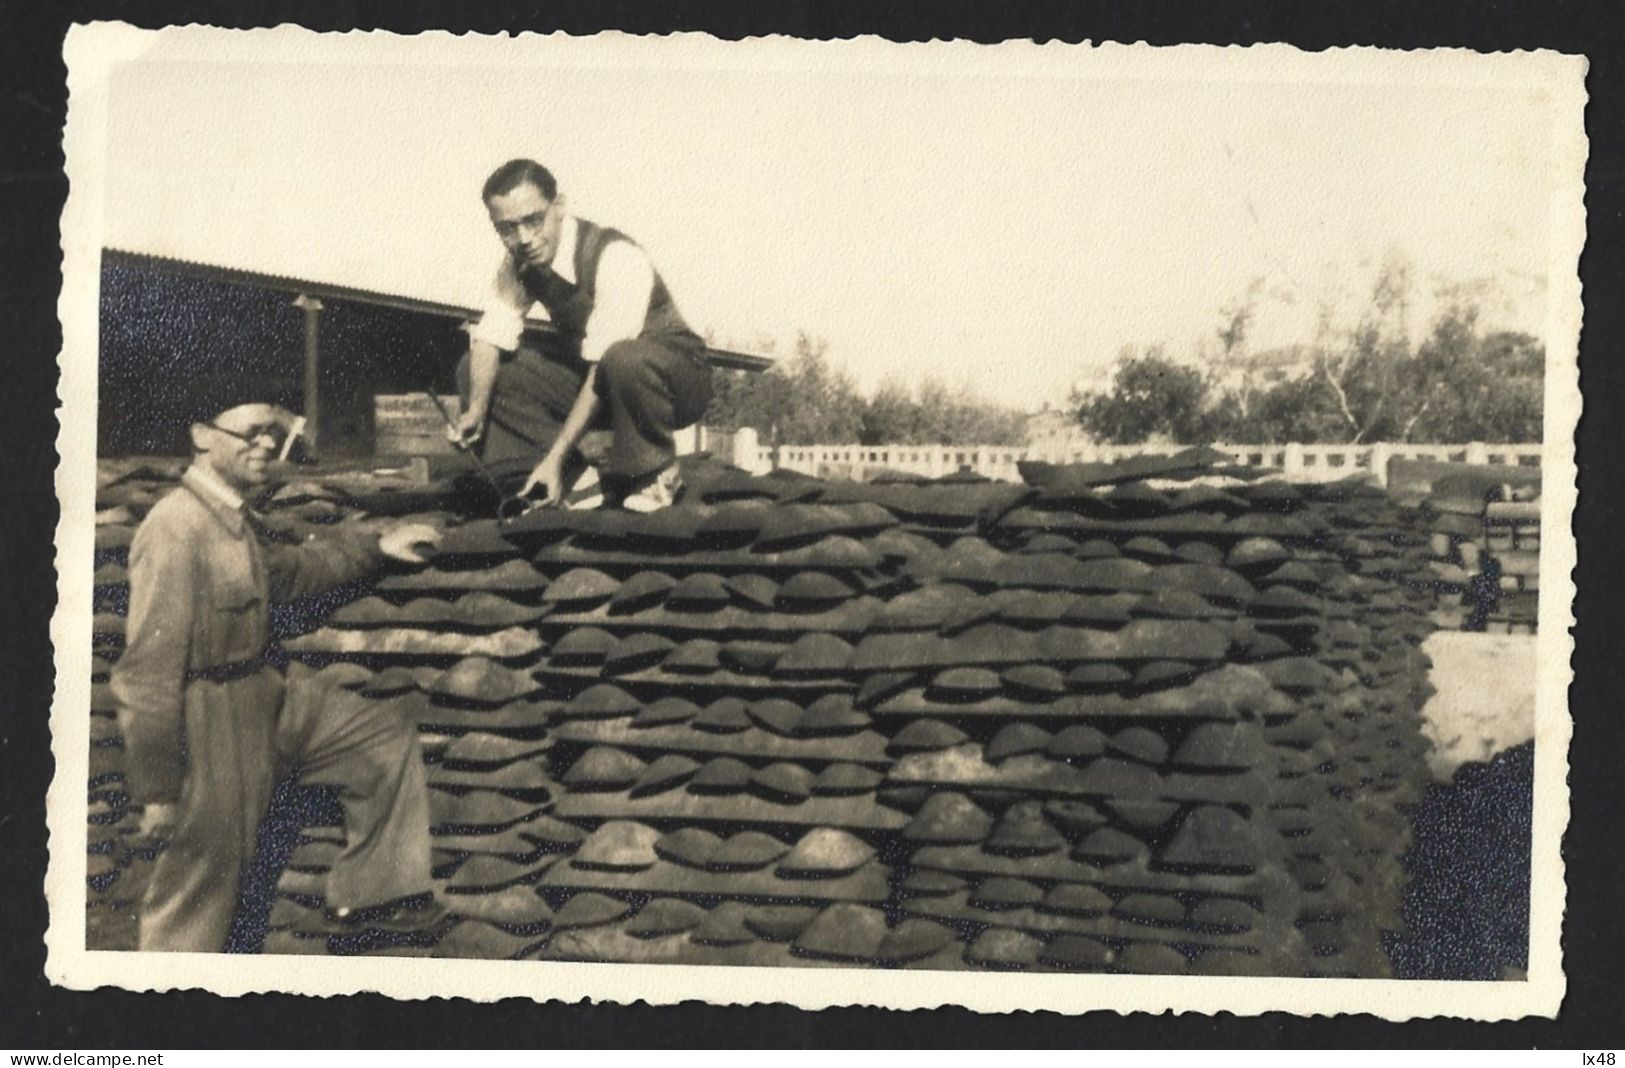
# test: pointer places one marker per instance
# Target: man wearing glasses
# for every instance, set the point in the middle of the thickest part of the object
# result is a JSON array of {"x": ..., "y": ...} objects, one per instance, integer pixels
[
  {"x": 626, "y": 360},
  {"x": 208, "y": 723}
]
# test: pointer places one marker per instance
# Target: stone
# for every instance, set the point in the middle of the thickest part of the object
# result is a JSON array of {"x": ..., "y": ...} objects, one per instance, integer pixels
[
  {"x": 1035, "y": 682},
  {"x": 699, "y": 591},
  {"x": 832, "y": 715},
  {"x": 1150, "y": 958},
  {"x": 726, "y": 715},
  {"x": 721, "y": 775},
  {"x": 478, "y": 749},
  {"x": 1256, "y": 555},
  {"x": 590, "y": 910},
  {"x": 667, "y": 772},
  {"x": 479, "y": 680},
  {"x": 582, "y": 646},
  {"x": 1158, "y": 909},
  {"x": 845, "y": 780},
  {"x": 664, "y": 712},
  {"x": 915, "y": 939},
  {"x": 750, "y": 657},
  {"x": 926, "y": 883},
  {"x": 1077, "y": 742},
  {"x": 696, "y": 656},
  {"x": 747, "y": 851},
  {"x": 579, "y": 588},
  {"x": 1017, "y": 739},
  {"x": 779, "y": 923},
  {"x": 1213, "y": 838},
  {"x": 1075, "y": 819},
  {"x": 1140, "y": 814},
  {"x": 665, "y": 916},
  {"x": 1097, "y": 678},
  {"x": 1221, "y": 747},
  {"x": 1004, "y": 947},
  {"x": 964, "y": 684},
  {"x": 1151, "y": 550},
  {"x": 1162, "y": 675},
  {"x": 825, "y": 853},
  {"x": 603, "y": 768},
  {"x": 475, "y": 808},
  {"x": 1003, "y": 892},
  {"x": 925, "y": 736},
  {"x": 844, "y": 932},
  {"x": 1139, "y": 744},
  {"x": 882, "y": 685},
  {"x": 644, "y": 589},
  {"x": 753, "y": 591},
  {"x": 602, "y": 701},
  {"x": 1199, "y": 552},
  {"x": 1108, "y": 846},
  {"x": 516, "y": 908},
  {"x": 1120, "y": 780},
  {"x": 692, "y": 847},
  {"x": 724, "y": 926},
  {"x": 948, "y": 819},
  {"x": 636, "y": 652},
  {"x": 551, "y": 834},
  {"x": 1075, "y": 899},
  {"x": 1227, "y": 914},
  {"x": 1023, "y": 831},
  {"x": 813, "y": 655},
  {"x": 1076, "y": 952},
  {"x": 776, "y": 714},
  {"x": 782, "y": 783},
  {"x": 812, "y": 590}
]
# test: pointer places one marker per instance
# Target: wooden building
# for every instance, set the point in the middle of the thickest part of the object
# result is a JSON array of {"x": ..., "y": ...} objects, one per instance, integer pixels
[{"x": 179, "y": 340}]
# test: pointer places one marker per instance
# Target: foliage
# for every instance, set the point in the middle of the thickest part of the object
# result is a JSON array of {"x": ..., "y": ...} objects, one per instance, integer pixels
[
  {"x": 807, "y": 401},
  {"x": 1362, "y": 383}
]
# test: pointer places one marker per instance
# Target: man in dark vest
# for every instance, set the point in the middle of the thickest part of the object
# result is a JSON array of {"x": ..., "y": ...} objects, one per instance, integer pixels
[{"x": 623, "y": 358}]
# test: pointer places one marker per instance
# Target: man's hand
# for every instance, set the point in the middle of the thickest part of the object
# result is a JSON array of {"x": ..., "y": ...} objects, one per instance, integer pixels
[
  {"x": 549, "y": 475},
  {"x": 158, "y": 821},
  {"x": 468, "y": 430},
  {"x": 411, "y": 543}
]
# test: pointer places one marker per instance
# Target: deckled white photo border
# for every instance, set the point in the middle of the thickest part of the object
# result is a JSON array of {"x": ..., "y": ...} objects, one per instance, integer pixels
[{"x": 92, "y": 52}]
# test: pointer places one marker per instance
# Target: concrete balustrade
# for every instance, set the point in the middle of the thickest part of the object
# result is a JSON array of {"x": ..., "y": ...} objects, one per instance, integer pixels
[{"x": 1296, "y": 461}]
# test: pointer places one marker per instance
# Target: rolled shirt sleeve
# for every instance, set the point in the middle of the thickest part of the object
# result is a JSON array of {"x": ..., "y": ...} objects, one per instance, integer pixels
[
  {"x": 502, "y": 315},
  {"x": 625, "y": 283}
]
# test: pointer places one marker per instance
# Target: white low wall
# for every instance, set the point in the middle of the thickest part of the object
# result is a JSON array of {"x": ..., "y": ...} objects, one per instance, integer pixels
[{"x": 1304, "y": 463}]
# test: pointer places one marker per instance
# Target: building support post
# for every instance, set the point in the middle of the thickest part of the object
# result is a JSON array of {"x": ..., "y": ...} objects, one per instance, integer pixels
[{"x": 313, "y": 311}]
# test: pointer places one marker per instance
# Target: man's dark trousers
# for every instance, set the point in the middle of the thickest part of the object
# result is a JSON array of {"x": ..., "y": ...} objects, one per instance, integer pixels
[{"x": 649, "y": 391}]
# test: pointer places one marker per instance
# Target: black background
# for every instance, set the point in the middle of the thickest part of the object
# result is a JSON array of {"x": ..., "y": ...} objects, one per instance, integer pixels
[{"x": 35, "y": 1015}]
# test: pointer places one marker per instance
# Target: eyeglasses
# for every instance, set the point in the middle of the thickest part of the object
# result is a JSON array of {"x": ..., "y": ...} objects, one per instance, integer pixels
[
  {"x": 534, "y": 221},
  {"x": 275, "y": 434}
]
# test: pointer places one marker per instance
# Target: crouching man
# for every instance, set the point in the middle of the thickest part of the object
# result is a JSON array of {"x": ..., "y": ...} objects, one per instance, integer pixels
[
  {"x": 209, "y": 724},
  {"x": 625, "y": 360}
]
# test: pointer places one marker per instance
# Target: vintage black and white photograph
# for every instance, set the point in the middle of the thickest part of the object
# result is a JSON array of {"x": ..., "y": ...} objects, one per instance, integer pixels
[{"x": 830, "y": 522}]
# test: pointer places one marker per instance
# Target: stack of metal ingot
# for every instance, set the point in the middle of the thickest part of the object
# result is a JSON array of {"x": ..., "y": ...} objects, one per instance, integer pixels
[{"x": 1147, "y": 717}]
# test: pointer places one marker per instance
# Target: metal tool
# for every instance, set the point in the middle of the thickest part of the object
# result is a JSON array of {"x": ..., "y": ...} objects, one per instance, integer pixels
[{"x": 508, "y": 506}]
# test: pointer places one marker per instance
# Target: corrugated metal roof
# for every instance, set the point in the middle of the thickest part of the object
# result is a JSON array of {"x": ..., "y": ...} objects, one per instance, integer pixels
[{"x": 742, "y": 361}]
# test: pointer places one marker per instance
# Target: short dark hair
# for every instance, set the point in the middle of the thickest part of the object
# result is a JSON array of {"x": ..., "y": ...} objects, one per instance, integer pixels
[{"x": 516, "y": 172}]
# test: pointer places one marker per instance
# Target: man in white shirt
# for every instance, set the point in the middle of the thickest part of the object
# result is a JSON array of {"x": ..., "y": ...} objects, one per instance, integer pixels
[{"x": 625, "y": 360}]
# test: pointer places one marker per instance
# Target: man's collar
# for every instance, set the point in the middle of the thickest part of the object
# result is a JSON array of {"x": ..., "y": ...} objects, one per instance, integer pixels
[
  {"x": 212, "y": 490},
  {"x": 564, "y": 257}
]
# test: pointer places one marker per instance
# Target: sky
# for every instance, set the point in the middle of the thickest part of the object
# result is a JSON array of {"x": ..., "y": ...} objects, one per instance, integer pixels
[{"x": 1004, "y": 219}]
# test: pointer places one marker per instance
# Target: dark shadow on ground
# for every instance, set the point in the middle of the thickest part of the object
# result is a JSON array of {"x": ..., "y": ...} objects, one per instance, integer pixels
[{"x": 1468, "y": 900}]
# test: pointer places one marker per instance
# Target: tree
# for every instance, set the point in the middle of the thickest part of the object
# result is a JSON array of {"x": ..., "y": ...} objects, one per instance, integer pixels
[
  {"x": 1366, "y": 381},
  {"x": 1151, "y": 396}
]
